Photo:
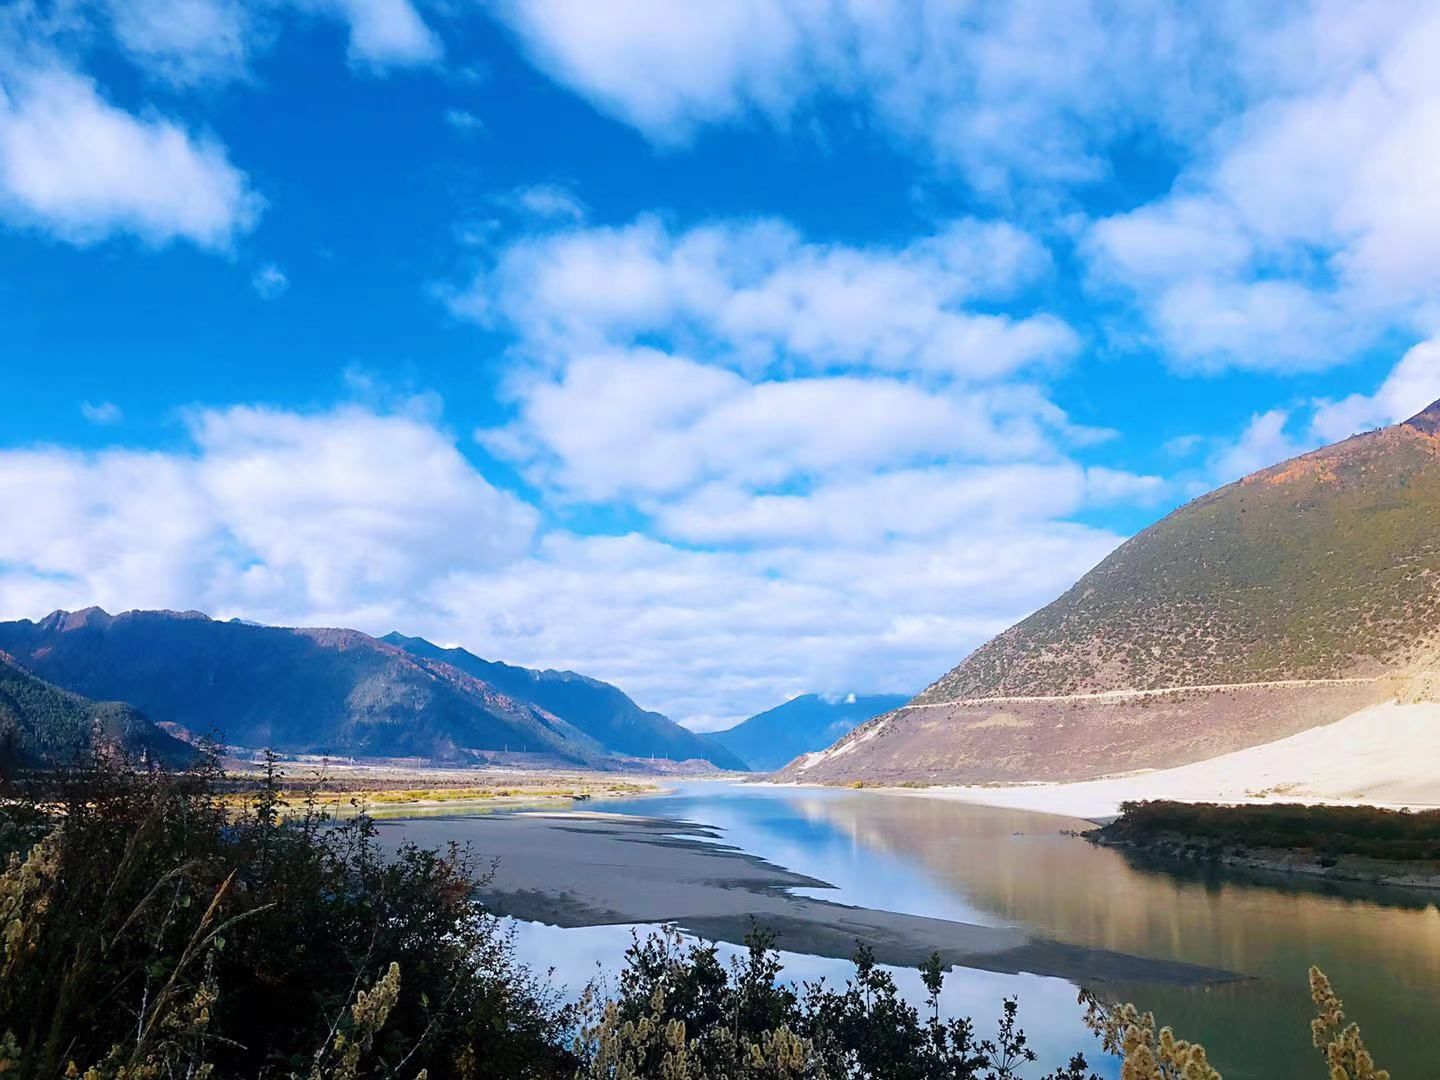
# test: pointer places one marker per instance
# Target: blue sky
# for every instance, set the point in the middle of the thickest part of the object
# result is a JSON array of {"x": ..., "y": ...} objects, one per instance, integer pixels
[{"x": 724, "y": 351}]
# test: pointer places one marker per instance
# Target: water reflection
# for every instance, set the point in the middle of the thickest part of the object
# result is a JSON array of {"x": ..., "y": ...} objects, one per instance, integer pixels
[
  {"x": 949, "y": 860},
  {"x": 1048, "y": 1012},
  {"x": 1382, "y": 952}
]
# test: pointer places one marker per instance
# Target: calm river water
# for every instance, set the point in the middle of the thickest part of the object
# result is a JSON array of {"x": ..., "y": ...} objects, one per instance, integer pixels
[{"x": 973, "y": 864}]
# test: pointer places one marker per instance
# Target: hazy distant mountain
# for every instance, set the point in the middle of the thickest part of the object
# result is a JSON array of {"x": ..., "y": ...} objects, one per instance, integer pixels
[
  {"x": 42, "y": 724},
  {"x": 1283, "y": 601},
  {"x": 602, "y": 711},
  {"x": 809, "y": 722},
  {"x": 316, "y": 691}
]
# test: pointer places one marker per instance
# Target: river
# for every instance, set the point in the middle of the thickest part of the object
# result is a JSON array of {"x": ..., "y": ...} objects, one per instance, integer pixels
[{"x": 1016, "y": 869}]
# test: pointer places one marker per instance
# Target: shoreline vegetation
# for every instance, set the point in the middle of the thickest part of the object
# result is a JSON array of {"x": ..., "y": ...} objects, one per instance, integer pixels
[
  {"x": 151, "y": 932},
  {"x": 1343, "y": 843}
]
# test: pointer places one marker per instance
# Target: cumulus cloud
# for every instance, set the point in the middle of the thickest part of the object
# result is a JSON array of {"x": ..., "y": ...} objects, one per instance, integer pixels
[
  {"x": 189, "y": 42},
  {"x": 1309, "y": 227},
  {"x": 762, "y": 294},
  {"x": 1002, "y": 91},
  {"x": 936, "y": 503},
  {"x": 549, "y": 202},
  {"x": 336, "y": 516},
  {"x": 82, "y": 169},
  {"x": 185, "y": 41},
  {"x": 1302, "y": 225},
  {"x": 844, "y": 456},
  {"x": 642, "y": 422},
  {"x": 385, "y": 33}
]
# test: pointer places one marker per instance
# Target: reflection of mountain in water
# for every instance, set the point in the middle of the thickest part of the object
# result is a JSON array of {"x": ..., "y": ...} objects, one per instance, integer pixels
[{"x": 1382, "y": 952}]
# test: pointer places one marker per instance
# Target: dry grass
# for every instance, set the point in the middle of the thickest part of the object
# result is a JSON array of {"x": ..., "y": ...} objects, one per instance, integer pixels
[{"x": 390, "y": 787}]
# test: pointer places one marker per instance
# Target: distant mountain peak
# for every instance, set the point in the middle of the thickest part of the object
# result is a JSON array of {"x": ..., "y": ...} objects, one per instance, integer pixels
[
  {"x": 801, "y": 724},
  {"x": 74, "y": 620}
]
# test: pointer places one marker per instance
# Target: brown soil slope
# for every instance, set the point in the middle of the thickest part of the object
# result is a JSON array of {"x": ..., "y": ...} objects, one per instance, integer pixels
[{"x": 1283, "y": 601}]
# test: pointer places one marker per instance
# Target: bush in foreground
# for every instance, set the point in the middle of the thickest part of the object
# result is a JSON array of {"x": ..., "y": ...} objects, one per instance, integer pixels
[{"x": 149, "y": 933}]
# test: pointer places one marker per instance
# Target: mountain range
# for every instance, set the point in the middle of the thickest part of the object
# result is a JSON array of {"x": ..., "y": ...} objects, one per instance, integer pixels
[
  {"x": 602, "y": 711},
  {"x": 340, "y": 692},
  {"x": 770, "y": 739},
  {"x": 1284, "y": 601}
]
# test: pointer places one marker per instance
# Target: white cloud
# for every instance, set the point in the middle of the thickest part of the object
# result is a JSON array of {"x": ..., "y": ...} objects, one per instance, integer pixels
[
  {"x": 1411, "y": 386},
  {"x": 762, "y": 294},
  {"x": 1002, "y": 91},
  {"x": 644, "y": 423},
  {"x": 1308, "y": 226},
  {"x": 935, "y": 503},
  {"x": 464, "y": 121},
  {"x": 82, "y": 169},
  {"x": 103, "y": 413},
  {"x": 550, "y": 202},
  {"x": 185, "y": 41},
  {"x": 193, "y": 41},
  {"x": 337, "y": 517},
  {"x": 386, "y": 33},
  {"x": 712, "y": 636},
  {"x": 269, "y": 281},
  {"x": 665, "y": 68},
  {"x": 848, "y": 469}
]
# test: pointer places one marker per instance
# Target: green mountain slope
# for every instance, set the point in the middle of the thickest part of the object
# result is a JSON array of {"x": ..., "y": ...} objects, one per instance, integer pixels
[
  {"x": 809, "y": 722},
  {"x": 1281, "y": 602},
  {"x": 41, "y": 724},
  {"x": 602, "y": 711},
  {"x": 1320, "y": 567}
]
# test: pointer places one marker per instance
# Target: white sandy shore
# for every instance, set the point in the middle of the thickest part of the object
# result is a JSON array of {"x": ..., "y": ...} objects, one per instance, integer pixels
[{"x": 1386, "y": 755}]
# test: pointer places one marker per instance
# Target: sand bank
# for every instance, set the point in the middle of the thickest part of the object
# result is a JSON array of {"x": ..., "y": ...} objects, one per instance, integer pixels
[
  {"x": 578, "y": 869},
  {"x": 1386, "y": 755}
]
